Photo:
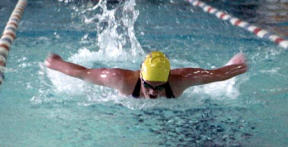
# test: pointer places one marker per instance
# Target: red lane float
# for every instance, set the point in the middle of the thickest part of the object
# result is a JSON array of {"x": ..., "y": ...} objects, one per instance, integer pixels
[
  {"x": 9, "y": 34},
  {"x": 261, "y": 33}
]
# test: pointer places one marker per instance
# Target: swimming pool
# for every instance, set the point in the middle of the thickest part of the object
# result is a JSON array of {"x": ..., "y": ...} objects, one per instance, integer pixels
[{"x": 40, "y": 107}]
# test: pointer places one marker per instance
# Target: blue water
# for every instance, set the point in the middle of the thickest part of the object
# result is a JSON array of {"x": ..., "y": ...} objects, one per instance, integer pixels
[{"x": 41, "y": 107}]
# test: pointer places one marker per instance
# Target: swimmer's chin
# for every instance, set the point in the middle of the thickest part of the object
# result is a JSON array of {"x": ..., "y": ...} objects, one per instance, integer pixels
[
  {"x": 153, "y": 96},
  {"x": 147, "y": 97}
]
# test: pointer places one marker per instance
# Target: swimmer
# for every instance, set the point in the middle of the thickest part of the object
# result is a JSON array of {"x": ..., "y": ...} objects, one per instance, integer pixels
[{"x": 154, "y": 79}]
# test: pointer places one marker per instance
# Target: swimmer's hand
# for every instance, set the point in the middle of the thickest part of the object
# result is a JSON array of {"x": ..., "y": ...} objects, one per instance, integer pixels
[
  {"x": 51, "y": 60},
  {"x": 237, "y": 59},
  {"x": 55, "y": 62}
]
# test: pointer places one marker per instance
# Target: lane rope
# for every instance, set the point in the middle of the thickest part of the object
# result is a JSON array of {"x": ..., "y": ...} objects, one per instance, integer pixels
[
  {"x": 261, "y": 33},
  {"x": 9, "y": 34}
]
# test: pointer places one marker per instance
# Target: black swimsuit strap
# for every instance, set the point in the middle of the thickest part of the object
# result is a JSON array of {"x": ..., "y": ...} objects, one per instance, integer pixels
[
  {"x": 168, "y": 90},
  {"x": 136, "y": 92}
]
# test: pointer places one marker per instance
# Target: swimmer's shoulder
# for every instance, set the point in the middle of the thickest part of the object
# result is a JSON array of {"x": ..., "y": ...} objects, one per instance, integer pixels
[{"x": 129, "y": 79}]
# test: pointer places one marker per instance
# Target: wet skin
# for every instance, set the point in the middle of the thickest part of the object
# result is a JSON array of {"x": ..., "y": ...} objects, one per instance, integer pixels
[{"x": 124, "y": 80}]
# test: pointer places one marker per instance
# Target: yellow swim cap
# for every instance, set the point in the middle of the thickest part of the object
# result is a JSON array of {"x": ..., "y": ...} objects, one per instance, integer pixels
[{"x": 156, "y": 67}]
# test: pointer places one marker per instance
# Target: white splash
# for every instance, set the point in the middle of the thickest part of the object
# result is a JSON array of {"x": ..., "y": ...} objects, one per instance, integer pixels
[
  {"x": 115, "y": 29},
  {"x": 115, "y": 38},
  {"x": 219, "y": 90},
  {"x": 66, "y": 84}
]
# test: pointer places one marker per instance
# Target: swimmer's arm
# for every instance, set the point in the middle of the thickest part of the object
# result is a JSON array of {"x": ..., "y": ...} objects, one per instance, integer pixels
[
  {"x": 197, "y": 76},
  {"x": 110, "y": 77},
  {"x": 220, "y": 74},
  {"x": 55, "y": 62},
  {"x": 116, "y": 78}
]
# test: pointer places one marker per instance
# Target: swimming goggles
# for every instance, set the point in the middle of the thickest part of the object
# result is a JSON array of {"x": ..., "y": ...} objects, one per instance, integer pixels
[{"x": 158, "y": 88}]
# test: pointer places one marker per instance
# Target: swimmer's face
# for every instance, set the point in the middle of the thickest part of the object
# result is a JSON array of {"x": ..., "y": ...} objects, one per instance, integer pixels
[{"x": 152, "y": 89}]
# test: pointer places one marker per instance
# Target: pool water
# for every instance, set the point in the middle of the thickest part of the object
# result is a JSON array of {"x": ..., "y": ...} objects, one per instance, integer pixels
[{"x": 41, "y": 107}]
